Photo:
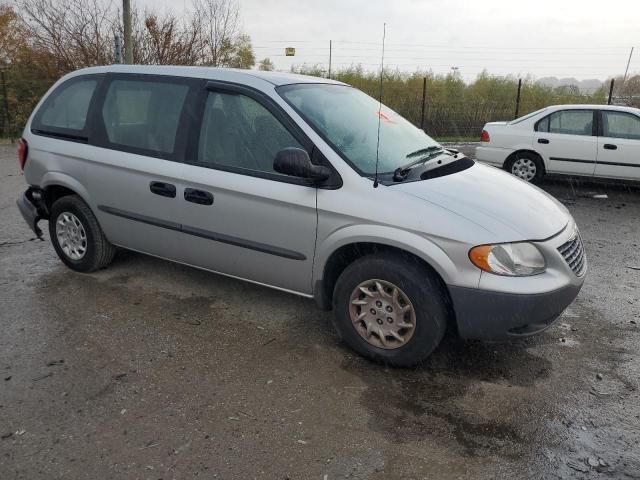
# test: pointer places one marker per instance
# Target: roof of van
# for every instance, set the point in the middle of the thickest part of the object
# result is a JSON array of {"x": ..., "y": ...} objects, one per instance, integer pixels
[{"x": 213, "y": 73}]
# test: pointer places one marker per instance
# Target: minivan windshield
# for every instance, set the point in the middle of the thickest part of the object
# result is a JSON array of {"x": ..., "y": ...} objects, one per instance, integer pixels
[{"x": 348, "y": 119}]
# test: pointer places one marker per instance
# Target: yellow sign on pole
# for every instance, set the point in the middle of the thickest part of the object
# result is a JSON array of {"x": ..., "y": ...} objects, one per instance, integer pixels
[{"x": 289, "y": 51}]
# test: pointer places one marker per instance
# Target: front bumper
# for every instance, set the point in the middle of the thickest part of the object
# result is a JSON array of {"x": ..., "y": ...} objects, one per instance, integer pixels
[
  {"x": 29, "y": 208},
  {"x": 486, "y": 315},
  {"x": 501, "y": 307}
]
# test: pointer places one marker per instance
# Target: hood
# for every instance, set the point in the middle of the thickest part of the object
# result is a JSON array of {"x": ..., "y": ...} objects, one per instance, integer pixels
[{"x": 508, "y": 207}]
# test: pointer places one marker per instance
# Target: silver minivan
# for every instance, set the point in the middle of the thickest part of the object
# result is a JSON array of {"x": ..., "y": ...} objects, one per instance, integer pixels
[{"x": 305, "y": 185}]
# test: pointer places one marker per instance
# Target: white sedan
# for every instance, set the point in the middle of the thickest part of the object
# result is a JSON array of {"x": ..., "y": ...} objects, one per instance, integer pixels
[{"x": 587, "y": 140}]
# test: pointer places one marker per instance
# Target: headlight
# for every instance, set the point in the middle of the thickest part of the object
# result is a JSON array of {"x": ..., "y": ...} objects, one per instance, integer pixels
[{"x": 510, "y": 259}]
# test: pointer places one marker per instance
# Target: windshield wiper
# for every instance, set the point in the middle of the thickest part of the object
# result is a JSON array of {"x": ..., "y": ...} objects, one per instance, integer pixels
[
  {"x": 422, "y": 151},
  {"x": 425, "y": 155}
]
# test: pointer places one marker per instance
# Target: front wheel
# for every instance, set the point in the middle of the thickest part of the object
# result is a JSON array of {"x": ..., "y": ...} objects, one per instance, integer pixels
[
  {"x": 526, "y": 166},
  {"x": 390, "y": 309},
  {"x": 77, "y": 236}
]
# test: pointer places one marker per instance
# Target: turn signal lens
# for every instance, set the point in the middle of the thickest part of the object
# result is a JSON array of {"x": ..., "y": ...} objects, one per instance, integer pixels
[
  {"x": 510, "y": 259},
  {"x": 484, "y": 136}
]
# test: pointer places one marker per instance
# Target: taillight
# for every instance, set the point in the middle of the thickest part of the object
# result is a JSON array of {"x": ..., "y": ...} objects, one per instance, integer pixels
[
  {"x": 23, "y": 149},
  {"x": 484, "y": 136}
]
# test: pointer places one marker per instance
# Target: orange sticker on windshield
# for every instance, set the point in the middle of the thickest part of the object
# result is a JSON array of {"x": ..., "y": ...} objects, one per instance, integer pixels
[{"x": 384, "y": 117}]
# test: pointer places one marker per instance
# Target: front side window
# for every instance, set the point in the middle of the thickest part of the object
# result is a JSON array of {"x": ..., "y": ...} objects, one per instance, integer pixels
[
  {"x": 67, "y": 107},
  {"x": 568, "y": 122},
  {"x": 239, "y": 132},
  {"x": 143, "y": 115},
  {"x": 620, "y": 125},
  {"x": 348, "y": 119}
]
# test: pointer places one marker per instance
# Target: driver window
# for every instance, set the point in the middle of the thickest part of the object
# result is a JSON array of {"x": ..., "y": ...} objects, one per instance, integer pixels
[{"x": 239, "y": 132}]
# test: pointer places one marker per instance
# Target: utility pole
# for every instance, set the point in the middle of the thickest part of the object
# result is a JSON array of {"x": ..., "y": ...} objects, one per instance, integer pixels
[
  {"x": 117, "y": 49},
  {"x": 126, "y": 23},
  {"x": 330, "y": 51},
  {"x": 627, "y": 69},
  {"x": 610, "y": 92},
  {"x": 424, "y": 101},
  {"x": 518, "y": 98}
]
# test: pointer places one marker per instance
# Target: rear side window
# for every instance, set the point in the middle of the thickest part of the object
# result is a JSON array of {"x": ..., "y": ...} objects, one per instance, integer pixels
[
  {"x": 143, "y": 115},
  {"x": 65, "y": 111},
  {"x": 569, "y": 122},
  {"x": 620, "y": 125}
]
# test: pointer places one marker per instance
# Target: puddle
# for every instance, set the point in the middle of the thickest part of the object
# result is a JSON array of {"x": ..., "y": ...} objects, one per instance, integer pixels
[{"x": 464, "y": 393}]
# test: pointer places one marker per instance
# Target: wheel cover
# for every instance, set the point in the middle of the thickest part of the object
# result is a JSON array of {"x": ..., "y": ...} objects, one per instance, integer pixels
[
  {"x": 71, "y": 236},
  {"x": 524, "y": 168},
  {"x": 382, "y": 314}
]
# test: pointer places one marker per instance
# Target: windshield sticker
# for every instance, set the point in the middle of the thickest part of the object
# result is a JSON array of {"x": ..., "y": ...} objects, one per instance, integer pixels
[{"x": 384, "y": 117}]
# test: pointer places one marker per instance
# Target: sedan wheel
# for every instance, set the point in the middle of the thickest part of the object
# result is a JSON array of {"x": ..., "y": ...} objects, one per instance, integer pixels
[{"x": 524, "y": 168}]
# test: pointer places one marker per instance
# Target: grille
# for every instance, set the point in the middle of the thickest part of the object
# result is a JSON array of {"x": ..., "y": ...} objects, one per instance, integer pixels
[{"x": 573, "y": 253}]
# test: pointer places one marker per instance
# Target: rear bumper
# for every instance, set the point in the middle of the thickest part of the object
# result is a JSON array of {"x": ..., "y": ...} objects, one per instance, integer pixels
[
  {"x": 492, "y": 155},
  {"x": 488, "y": 315},
  {"x": 28, "y": 206}
]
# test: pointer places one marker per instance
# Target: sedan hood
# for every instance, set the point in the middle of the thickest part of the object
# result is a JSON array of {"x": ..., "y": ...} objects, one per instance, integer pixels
[{"x": 506, "y": 206}]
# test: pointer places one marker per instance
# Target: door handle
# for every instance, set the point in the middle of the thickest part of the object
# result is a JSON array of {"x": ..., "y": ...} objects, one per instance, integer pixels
[
  {"x": 543, "y": 140},
  {"x": 610, "y": 146},
  {"x": 198, "y": 196},
  {"x": 163, "y": 189}
]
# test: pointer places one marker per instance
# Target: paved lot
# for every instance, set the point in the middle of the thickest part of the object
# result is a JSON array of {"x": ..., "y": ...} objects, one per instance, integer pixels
[{"x": 153, "y": 370}]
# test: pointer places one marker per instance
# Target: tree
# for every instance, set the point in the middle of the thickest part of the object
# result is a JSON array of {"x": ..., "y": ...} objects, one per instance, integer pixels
[
  {"x": 70, "y": 34},
  {"x": 238, "y": 53},
  {"x": 220, "y": 20},
  {"x": 165, "y": 40},
  {"x": 11, "y": 34},
  {"x": 266, "y": 65}
]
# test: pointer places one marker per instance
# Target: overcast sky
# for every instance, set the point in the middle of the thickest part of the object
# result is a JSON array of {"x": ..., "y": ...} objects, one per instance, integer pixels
[{"x": 562, "y": 38}]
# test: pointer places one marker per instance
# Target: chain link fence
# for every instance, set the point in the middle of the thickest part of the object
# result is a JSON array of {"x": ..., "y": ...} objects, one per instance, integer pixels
[{"x": 461, "y": 114}]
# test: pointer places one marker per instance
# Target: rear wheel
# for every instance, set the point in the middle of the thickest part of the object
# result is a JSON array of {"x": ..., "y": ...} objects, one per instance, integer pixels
[
  {"x": 77, "y": 236},
  {"x": 390, "y": 309},
  {"x": 526, "y": 166}
]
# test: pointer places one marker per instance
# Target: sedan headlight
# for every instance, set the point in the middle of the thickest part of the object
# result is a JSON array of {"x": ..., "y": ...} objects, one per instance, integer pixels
[{"x": 510, "y": 259}]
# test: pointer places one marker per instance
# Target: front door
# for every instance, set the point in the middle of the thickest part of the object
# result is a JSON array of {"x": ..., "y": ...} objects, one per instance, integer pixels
[
  {"x": 619, "y": 146},
  {"x": 238, "y": 215}
]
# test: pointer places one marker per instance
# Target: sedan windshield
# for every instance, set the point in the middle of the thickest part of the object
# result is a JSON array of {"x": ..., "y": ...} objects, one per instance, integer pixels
[{"x": 348, "y": 119}]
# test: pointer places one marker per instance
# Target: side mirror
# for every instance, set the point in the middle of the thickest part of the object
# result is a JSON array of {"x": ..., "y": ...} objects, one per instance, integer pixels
[{"x": 296, "y": 163}]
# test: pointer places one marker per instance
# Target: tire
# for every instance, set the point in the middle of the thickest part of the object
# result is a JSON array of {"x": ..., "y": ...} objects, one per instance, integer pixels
[
  {"x": 424, "y": 292},
  {"x": 526, "y": 166},
  {"x": 90, "y": 250}
]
